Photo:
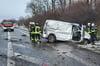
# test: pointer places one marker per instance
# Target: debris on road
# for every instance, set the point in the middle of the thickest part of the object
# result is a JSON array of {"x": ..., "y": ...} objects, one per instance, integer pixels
[
  {"x": 5, "y": 38},
  {"x": 0, "y": 55},
  {"x": 20, "y": 39},
  {"x": 27, "y": 42},
  {"x": 24, "y": 35},
  {"x": 64, "y": 52},
  {"x": 94, "y": 48},
  {"x": 14, "y": 40}
]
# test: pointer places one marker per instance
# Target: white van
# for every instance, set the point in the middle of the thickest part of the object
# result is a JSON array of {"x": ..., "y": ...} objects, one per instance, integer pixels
[{"x": 64, "y": 31}]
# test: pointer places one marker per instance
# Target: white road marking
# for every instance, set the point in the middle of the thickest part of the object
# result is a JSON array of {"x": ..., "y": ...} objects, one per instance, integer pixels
[
  {"x": 10, "y": 62},
  {"x": 29, "y": 59},
  {"x": 20, "y": 45}
]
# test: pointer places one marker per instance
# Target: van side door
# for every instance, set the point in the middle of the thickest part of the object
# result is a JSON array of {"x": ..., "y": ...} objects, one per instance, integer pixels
[{"x": 77, "y": 32}]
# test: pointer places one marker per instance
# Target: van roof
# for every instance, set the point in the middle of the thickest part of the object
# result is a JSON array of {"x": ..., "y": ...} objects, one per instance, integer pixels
[{"x": 61, "y": 21}]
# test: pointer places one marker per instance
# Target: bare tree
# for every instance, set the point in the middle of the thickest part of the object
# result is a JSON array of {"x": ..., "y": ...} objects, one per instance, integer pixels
[
  {"x": 62, "y": 4},
  {"x": 32, "y": 8},
  {"x": 36, "y": 7},
  {"x": 46, "y": 5},
  {"x": 53, "y": 5},
  {"x": 70, "y": 2},
  {"x": 87, "y": 1}
]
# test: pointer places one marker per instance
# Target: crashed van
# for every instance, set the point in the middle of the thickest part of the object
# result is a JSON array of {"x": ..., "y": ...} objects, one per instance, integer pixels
[{"x": 54, "y": 30}]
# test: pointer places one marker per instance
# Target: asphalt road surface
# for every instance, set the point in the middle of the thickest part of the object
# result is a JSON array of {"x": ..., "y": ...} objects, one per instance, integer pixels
[{"x": 16, "y": 49}]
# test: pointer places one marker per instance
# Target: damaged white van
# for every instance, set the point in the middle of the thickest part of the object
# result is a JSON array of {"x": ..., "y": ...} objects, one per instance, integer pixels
[{"x": 55, "y": 30}]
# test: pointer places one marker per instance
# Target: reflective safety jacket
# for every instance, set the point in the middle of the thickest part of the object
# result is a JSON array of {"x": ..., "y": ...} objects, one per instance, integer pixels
[
  {"x": 89, "y": 30},
  {"x": 37, "y": 30},
  {"x": 93, "y": 29}
]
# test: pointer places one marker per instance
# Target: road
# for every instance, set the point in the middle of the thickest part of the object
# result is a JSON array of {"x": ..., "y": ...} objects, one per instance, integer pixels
[{"x": 16, "y": 49}]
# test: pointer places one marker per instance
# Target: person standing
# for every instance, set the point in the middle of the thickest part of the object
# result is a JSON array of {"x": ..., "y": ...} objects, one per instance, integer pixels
[
  {"x": 37, "y": 31},
  {"x": 31, "y": 29},
  {"x": 89, "y": 31},
  {"x": 93, "y": 33}
]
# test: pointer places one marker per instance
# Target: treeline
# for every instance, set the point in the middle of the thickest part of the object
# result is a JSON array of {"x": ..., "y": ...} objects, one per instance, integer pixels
[{"x": 78, "y": 12}]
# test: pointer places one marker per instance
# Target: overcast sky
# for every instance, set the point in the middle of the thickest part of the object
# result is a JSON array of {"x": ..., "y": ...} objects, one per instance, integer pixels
[{"x": 12, "y": 9}]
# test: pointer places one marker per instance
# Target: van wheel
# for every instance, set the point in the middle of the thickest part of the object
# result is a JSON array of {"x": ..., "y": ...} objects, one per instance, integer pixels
[{"x": 51, "y": 38}]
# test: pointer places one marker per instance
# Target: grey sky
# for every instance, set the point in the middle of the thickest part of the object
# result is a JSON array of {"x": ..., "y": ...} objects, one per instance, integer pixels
[{"x": 12, "y": 9}]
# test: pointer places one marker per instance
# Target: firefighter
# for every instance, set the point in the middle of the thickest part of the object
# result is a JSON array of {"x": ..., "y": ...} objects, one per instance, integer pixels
[
  {"x": 93, "y": 33},
  {"x": 31, "y": 29},
  {"x": 37, "y": 31},
  {"x": 89, "y": 31},
  {"x": 94, "y": 26},
  {"x": 89, "y": 28}
]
